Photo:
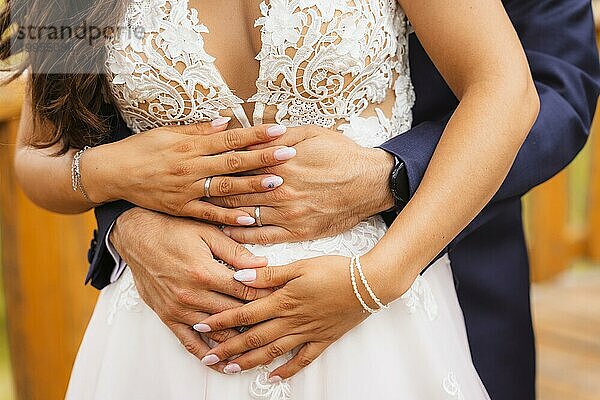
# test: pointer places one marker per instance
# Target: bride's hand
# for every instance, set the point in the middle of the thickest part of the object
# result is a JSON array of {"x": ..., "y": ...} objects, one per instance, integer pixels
[
  {"x": 165, "y": 169},
  {"x": 315, "y": 306}
]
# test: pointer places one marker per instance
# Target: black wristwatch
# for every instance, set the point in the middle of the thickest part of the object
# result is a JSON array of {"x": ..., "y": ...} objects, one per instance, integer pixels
[{"x": 399, "y": 185}]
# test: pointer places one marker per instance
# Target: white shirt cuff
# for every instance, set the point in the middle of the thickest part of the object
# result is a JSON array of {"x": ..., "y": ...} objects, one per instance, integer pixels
[{"x": 119, "y": 262}]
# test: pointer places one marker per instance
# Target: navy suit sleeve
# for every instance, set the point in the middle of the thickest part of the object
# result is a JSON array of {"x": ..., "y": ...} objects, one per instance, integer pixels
[
  {"x": 559, "y": 40},
  {"x": 101, "y": 261}
]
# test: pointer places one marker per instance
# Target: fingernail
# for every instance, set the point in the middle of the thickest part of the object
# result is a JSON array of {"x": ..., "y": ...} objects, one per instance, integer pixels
[
  {"x": 227, "y": 231},
  {"x": 275, "y": 379},
  {"x": 202, "y": 328},
  {"x": 220, "y": 121},
  {"x": 210, "y": 359},
  {"x": 245, "y": 275},
  {"x": 245, "y": 221},
  {"x": 284, "y": 154},
  {"x": 232, "y": 369},
  {"x": 276, "y": 130},
  {"x": 272, "y": 182}
]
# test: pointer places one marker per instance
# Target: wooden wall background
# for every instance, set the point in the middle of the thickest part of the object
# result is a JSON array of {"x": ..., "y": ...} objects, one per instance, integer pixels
[{"x": 44, "y": 261}]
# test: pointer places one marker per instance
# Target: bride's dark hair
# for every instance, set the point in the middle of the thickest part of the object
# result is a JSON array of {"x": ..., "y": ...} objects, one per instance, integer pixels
[{"x": 67, "y": 83}]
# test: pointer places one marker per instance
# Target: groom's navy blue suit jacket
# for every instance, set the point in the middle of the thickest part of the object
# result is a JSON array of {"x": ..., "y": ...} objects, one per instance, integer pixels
[{"x": 489, "y": 258}]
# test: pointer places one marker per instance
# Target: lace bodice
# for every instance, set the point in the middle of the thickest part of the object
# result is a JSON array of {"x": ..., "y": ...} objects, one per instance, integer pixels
[
  {"x": 330, "y": 63},
  {"x": 321, "y": 62}
]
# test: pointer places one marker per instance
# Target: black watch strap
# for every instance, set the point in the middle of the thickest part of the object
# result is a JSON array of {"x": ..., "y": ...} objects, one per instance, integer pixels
[{"x": 399, "y": 185}]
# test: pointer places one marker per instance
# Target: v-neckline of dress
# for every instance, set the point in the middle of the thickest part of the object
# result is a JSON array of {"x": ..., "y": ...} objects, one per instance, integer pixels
[{"x": 238, "y": 110}]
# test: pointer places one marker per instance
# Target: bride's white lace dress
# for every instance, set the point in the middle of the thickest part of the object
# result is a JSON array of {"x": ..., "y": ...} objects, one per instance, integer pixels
[{"x": 340, "y": 64}]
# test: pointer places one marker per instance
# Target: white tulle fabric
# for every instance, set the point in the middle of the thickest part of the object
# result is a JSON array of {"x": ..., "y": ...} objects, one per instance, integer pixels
[{"x": 322, "y": 62}]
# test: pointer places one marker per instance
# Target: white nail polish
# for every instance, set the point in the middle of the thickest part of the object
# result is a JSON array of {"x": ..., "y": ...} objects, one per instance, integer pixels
[
  {"x": 276, "y": 130},
  {"x": 245, "y": 275},
  {"x": 220, "y": 121},
  {"x": 285, "y": 154},
  {"x": 272, "y": 182},
  {"x": 202, "y": 328},
  {"x": 275, "y": 379},
  {"x": 232, "y": 369},
  {"x": 210, "y": 359},
  {"x": 245, "y": 220}
]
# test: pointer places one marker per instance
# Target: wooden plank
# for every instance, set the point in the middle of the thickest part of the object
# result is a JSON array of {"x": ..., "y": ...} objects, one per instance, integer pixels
[
  {"x": 567, "y": 326},
  {"x": 547, "y": 217},
  {"x": 593, "y": 239},
  {"x": 44, "y": 266}
]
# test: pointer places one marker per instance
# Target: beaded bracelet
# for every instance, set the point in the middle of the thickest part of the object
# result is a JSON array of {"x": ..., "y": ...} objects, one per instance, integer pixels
[
  {"x": 367, "y": 286},
  {"x": 356, "y": 292}
]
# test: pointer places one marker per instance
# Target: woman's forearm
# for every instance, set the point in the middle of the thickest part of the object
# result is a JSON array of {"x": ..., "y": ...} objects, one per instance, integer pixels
[
  {"x": 46, "y": 179},
  {"x": 471, "y": 161}
]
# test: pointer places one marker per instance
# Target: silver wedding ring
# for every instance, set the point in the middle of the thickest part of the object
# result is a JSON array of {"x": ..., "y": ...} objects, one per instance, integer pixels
[
  {"x": 257, "y": 216},
  {"x": 207, "y": 187}
]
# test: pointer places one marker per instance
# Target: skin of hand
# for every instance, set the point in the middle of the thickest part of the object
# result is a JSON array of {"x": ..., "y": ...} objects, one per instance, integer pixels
[
  {"x": 294, "y": 315},
  {"x": 331, "y": 185},
  {"x": 172, "y": 263},
  {"x": 165, "y": 169},
  {"x": 498, "y": 105}
]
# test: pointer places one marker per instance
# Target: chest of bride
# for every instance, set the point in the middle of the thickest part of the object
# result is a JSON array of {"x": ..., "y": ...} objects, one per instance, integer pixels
[{"x": 320, "y": 62}]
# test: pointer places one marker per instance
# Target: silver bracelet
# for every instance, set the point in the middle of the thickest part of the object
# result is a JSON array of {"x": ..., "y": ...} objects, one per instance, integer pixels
[{"x": 76, "y": 182}]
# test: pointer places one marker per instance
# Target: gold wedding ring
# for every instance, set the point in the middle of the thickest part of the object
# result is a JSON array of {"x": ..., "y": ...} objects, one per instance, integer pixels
[{"x": 207, "y": 187}]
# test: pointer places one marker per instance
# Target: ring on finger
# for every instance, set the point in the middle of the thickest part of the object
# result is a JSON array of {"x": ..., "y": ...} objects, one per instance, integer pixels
[
  {"x": 207, "y": 187},
  {"x": 257, "y": 216}
]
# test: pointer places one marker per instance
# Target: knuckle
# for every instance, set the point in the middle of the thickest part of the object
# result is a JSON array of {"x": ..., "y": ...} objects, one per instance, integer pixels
[
  {"x": 185, "y": 297},
  {"x": 206, "y": 214},
  {"x": 253, "y": 340},
  {"x": 304, "y": 361},
  {"x": 266, "y": 157},
  {"x": 185, "y": 146},
  {"x": 239, "y": 250},
  {"x": 182, "y": 169},
  {"x": 281, "y": 194},
  {"x": 249, "y": 293},
  {"x": 232, "y": 139},
  {"x": 262, "y": 237},
  {"x": 192, "y": 347},
  {"x": 286, "y": 304},
  {"x": 233, "y": 162},
  {"x": 199, "y": 279},
  {"x": 220, "y": 336},
  {"x": 275, "y": 351},
  {"x": 243, "y": 318},
  {"x": 225, "y": 185}
]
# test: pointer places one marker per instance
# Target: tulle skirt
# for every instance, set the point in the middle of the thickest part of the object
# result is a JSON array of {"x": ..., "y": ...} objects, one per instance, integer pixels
[{"x": 416, "y": 349}]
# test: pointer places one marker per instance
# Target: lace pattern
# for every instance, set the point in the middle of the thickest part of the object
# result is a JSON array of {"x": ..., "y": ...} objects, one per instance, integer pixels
[{"x": 322, "y": 62}]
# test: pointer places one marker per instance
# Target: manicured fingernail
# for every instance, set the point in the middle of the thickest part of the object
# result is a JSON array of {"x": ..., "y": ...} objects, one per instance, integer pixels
[
  {"x": 210, "y": 359},
  {"x": 284, "y": 154},
  {"x": 227, "y": 231},
  {"x": 202, "y": 328},
  {"x": 245, "y": 275},
  {"x": 232, "y": 369},
  {"x": 272, "y": 182},
  {"x": 245, "y": 221},
  {"x": 275, "y": 379},
  {"x": 220, "y": 121},
  {"x": 276, "y": 130}
]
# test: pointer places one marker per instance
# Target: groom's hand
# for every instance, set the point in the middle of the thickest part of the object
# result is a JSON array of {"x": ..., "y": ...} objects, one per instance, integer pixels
[
  {"x": 173, "y": 267},
  {"x": 331, "y": 185}
]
